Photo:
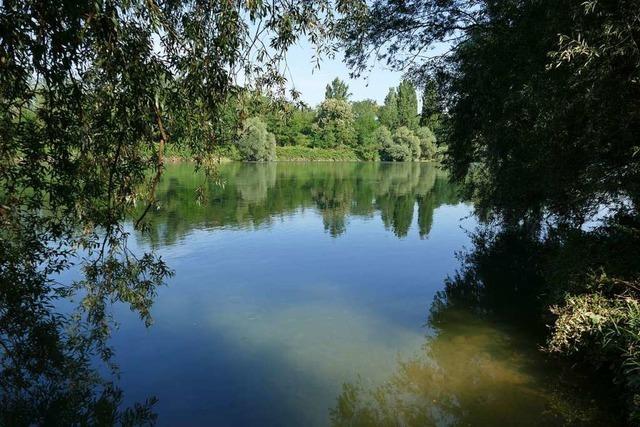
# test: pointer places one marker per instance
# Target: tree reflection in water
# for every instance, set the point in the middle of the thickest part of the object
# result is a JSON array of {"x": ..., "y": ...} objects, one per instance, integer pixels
[
  {"x": 48, "y": 373},
  {"x": 253, "y": 195},
  {"x": 470, "y": 373}
]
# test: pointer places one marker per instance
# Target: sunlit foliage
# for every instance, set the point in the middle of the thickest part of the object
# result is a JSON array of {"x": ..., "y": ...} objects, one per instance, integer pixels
[
  {"x": 388, "y": 115},
  {"x": 337, "y": 89},
  {"x": 366, "y": 123},
  {"x": 335, "y": 124},
  {"x": 256, "y": 143},
  {"x": 407, "y": 105},
  {"x": 428, "y": 147}
]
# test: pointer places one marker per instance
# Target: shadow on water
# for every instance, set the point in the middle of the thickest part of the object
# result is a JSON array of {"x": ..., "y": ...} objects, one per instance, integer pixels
[
  {"x": 483, "y": 362},
  {"x": 471, "y": 372}
]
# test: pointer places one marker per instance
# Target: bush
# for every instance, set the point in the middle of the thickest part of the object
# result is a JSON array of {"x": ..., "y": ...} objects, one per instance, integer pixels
[
  {"x": 368, "y": 150},
  {"x": 301, "y": 140},
  {"x": 382, "y": 137},
  {"x": 389, "y": 149},
  {"x": 406, "y": 138},
  {"x": 403, "y": 146},
  {"x": 605, "y": 331},
  {"x": 428, "y": 145},
  {"x": 397, "y": 153},
  {"x": 256, "y": 143}
]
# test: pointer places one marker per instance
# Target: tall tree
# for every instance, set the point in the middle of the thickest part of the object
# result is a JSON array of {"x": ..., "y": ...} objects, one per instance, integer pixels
[
  {"x": 365, "y": 124},
  {"x": 407, "y": 105},
  {"x": 431, "y": 111},
  {"x": 389, "y": 111},
  {"x": 337, "y": 89}
]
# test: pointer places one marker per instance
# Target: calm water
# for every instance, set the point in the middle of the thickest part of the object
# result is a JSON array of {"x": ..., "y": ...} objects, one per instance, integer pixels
[{"x": 302, "y": 296}]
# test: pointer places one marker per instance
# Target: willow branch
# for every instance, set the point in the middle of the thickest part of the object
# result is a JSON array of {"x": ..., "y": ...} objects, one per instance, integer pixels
[{"x": 159, "y": 166}]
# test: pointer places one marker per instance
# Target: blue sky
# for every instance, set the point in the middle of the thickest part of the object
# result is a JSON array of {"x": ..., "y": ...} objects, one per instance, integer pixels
[{"x": 311, "y": 83}]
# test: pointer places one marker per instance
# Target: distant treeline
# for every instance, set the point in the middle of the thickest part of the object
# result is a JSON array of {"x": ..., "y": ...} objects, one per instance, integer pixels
[{"x": 337, "y": 129}]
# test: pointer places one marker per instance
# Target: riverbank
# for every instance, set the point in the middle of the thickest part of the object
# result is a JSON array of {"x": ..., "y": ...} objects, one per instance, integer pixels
[
  {"x": 296, "y": 153},
  {"x": 283, "y": 154}
]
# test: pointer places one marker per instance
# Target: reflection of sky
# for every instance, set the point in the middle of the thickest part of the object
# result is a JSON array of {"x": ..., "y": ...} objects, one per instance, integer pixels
[{"x": 263, "y": 326}]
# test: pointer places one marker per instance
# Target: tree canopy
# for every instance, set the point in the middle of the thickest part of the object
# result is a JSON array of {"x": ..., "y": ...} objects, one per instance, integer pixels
[
  {"x": 542, "y": 95},
  {"x": 337, "y": 89}
]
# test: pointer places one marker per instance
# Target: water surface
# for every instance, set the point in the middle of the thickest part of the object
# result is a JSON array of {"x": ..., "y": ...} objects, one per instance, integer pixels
[{"x": 304, "y": 295}]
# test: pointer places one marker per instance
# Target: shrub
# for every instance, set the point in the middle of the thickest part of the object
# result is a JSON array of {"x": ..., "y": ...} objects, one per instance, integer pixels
[
  {"x": 301, "y": 140},
  {"x": 295, "y": 153},
  {"x": 383, "y": 140},
  {"x": 397, "y": 153},
  {"x": 389, "y": 149},
  {"x": 383, "y": 137},
  {"x": 256, "y": 143},
  {"x": 406, "y": 138},
  {"x": 368, "y": 150},
  {"x": 428, "y": 146},
  {"x": 605, "y": 331}
]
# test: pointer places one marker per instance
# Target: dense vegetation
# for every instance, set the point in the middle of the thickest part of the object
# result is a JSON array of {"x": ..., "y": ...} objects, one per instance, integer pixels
[
  {"x": 337, "y": 126},
  {"x": 542, "y": 103},
  {"x": 256, "y": 142},
  {"x": 301, "y": 153}
]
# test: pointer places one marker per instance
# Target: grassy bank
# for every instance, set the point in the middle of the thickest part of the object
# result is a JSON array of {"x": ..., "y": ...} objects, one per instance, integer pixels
[
  {"x": 291, "y": 153},
  {"x": 180, "y": 153}
]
